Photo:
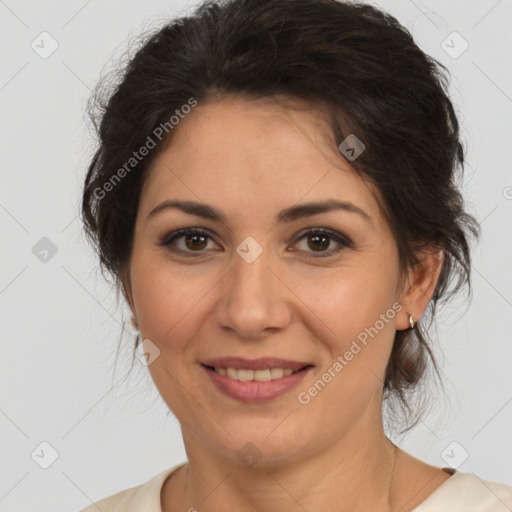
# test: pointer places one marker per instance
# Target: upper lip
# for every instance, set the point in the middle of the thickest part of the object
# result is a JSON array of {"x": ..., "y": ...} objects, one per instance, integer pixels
[{"x": 255, "y": 364}]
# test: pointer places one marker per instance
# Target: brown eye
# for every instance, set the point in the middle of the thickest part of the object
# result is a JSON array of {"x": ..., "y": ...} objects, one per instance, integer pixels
[
  {"x": 319, "y": 240},
  {"x": 195, "y": 241}
]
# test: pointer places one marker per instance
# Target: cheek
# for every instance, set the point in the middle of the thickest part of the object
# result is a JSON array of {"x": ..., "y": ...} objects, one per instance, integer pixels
[
  {"x": 359, "y": 307},
  {"x": 169, "y": 300},
  {"x": 169, "y": 305},
  {"x": 354, "y": 300},
  {"x": 360, "y": 315}
]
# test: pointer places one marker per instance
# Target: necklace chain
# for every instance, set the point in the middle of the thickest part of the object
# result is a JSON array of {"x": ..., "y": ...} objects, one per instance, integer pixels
[{"x": 395, "y": 457}]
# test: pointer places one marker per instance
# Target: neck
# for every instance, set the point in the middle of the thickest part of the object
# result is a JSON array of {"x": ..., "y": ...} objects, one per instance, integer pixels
[{"x": 353, "y": 474}]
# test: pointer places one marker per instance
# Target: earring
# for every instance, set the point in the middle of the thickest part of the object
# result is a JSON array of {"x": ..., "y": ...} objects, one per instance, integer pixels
[{"x": 411, "y": 321}]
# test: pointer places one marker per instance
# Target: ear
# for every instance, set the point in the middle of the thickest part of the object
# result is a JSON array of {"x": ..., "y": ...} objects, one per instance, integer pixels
[
  {"x": 420, "y": 285},
  {"x": 126, "y": 286}
]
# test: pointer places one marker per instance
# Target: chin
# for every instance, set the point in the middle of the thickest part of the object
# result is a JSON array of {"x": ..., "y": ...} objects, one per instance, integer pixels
[{"x": 262, "y": 444}]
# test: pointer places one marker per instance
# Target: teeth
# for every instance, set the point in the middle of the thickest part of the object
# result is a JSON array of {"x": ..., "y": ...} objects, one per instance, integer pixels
[{"x": 246, "y": 375}]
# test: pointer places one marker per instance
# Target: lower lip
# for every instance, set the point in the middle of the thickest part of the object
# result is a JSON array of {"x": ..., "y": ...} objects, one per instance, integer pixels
[{"x": 255, "y": 391}]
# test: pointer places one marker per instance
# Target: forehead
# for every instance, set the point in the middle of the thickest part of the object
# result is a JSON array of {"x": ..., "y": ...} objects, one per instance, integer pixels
[{"x": 253, "y": 156}]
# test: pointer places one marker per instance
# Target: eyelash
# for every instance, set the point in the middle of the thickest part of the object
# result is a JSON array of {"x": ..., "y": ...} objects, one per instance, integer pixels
[{"x": 333, "y": 235}]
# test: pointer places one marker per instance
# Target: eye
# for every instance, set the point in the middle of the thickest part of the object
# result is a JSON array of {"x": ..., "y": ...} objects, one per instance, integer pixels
[
  {"x": 320, "y": 239},
  {"x": 194, "y": 240}
]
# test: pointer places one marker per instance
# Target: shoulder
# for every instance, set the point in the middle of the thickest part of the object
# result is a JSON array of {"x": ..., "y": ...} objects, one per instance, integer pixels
[
  {"x": 467, "y": 492},
  {"x": 141, "y": 498}
]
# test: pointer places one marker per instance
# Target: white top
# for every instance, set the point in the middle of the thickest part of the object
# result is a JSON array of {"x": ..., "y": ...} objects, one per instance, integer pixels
[{"x": 462, "y": 492}]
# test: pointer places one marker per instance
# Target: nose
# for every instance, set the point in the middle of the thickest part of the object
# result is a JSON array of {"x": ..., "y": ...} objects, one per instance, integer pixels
[{"x": 255, "y": 301}]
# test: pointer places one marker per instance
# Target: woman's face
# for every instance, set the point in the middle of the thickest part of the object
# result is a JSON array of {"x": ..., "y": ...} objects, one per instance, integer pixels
[{"x": 263, "y": 284}]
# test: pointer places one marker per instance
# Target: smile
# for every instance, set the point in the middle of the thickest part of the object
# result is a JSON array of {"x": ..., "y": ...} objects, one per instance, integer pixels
[
  {"x": 255, "y": 385},
  {"x": 246, "y": 375}
]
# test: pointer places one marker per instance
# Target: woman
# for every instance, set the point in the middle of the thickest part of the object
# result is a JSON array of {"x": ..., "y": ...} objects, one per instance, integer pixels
[{"x": 267, "y": 196}]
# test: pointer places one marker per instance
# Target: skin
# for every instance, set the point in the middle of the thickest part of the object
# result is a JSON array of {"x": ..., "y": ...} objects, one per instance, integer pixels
[{"x": 251, "y": 159}]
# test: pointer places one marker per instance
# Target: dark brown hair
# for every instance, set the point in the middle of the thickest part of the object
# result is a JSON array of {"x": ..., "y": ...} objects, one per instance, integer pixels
[{"x": 350, "y": 59}]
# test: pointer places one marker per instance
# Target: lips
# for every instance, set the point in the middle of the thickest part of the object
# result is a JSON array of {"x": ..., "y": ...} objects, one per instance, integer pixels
[{"x": 254, "y": 391}]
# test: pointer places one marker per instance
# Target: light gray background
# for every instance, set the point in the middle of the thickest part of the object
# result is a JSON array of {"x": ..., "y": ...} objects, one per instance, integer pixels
[{"x": 60, "y": 325}]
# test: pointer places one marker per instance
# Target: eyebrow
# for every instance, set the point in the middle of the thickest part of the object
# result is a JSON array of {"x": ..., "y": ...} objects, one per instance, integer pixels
[{"x": 287, "y": 215}]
